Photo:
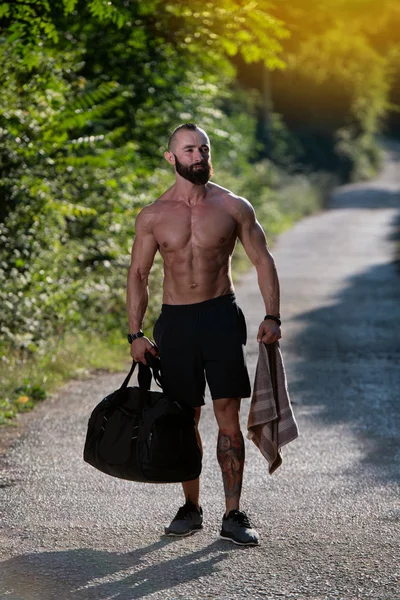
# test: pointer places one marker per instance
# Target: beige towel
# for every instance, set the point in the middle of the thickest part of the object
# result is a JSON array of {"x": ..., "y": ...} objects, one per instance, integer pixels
[{"x": 271, "y": 422}]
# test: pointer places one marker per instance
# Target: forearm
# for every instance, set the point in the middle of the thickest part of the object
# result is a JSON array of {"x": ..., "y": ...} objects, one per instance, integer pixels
[
  {"x": 269, "y": 285},
  {"x": 137, "y": 298}
]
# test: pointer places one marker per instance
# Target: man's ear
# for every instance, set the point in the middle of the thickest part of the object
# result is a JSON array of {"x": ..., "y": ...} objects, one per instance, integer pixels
[{"x": 169, "y": 157}]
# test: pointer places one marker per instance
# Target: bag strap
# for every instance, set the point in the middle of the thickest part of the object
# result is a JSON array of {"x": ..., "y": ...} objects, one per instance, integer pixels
[
  {"x": 144, "y": 377},
  {"x": 146, "y": 372},
  {"x": 144, "y": 380},
  {"x": 155, "y": 366},
  {"x": 127, "y": 378}
]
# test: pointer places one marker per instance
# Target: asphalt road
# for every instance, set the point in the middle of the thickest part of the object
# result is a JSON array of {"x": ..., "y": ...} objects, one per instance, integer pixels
[{"x": 328, "y": 518}]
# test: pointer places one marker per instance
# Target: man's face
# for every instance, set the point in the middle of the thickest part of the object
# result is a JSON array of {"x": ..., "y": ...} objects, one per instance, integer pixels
[{"x": 192, "y": 156}]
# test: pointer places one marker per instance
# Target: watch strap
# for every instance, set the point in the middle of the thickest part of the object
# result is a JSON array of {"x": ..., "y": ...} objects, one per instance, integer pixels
[
  {"x": 134, "y": 336},
  {"x": 273, "y": 318}
]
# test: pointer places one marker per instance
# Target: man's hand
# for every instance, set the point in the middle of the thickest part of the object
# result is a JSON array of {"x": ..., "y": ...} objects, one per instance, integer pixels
[
  {"x": 140, "y": 346},
  {"x": 269, "y": 332}
]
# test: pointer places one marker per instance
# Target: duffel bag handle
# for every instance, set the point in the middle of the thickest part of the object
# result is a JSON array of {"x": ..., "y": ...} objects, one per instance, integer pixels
[
  {"x": 144, "y": 377},
  {"x": 145, "y": 373},
  {"x": 155, "y": 365},
  {"x": 127, "y": 378}
]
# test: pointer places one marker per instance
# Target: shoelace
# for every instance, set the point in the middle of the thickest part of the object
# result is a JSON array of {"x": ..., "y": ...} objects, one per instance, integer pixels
[{"x": 240, "y": 517}]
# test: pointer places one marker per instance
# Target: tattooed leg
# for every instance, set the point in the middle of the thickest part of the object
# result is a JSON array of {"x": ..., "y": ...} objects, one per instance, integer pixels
[{"x": 230, "y": 454}]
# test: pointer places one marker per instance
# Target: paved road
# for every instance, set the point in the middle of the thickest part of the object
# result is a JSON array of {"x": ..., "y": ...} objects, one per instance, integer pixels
[{"x": 329, "y": 517}]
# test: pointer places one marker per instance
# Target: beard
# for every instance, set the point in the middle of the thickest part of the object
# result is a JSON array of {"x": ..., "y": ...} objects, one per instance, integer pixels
[{"x": 199, "y": 174}]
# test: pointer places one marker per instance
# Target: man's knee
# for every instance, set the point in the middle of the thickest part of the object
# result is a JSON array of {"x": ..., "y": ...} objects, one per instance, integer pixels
[{"x": 226, "y": 411}]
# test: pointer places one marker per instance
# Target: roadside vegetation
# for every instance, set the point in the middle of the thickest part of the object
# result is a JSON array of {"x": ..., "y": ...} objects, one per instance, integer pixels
[{"x": 292, "y": 100}]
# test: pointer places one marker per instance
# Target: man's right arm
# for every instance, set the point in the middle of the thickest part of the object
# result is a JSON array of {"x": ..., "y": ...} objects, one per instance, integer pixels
[{"x": 143, "y": 252}]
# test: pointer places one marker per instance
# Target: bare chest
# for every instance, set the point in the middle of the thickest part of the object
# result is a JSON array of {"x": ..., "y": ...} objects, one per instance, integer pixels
[{"x": 206, "y": 227}]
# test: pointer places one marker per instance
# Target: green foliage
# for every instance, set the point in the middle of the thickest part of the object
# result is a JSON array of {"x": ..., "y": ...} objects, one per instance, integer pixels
[
  {"x": 226, "y": 27},
  {"x": 46, "y": 208},
  {"x": 340, "y": 64}
]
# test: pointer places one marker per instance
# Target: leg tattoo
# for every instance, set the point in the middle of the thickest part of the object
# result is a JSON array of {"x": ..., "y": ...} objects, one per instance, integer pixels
[{"x": 230, "y": 455}]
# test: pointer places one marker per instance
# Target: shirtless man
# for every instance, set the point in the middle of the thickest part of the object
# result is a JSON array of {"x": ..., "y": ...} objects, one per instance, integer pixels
[{"x": 201, "y": 331}]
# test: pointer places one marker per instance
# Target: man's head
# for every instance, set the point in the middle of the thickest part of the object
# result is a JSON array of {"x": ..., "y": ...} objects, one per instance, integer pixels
[{"x": 189, "y": 152}]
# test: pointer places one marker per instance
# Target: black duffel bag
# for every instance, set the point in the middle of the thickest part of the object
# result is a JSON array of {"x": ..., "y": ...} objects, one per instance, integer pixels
[{"x": 142, "y": 435}]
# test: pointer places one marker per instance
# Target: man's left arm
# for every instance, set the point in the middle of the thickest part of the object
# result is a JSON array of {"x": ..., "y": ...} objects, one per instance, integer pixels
[{"x": 255, "y": 244}]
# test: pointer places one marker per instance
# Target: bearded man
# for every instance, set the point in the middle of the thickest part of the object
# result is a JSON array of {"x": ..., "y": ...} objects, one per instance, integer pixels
[{"x": 201, "y": 332}]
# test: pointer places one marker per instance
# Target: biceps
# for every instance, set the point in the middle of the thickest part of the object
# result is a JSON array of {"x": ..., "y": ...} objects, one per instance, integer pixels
[{"x": 254, "y": 243}]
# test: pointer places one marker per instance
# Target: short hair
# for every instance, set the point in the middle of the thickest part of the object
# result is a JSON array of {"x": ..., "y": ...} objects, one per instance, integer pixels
[{"x": 187, "y": 126}]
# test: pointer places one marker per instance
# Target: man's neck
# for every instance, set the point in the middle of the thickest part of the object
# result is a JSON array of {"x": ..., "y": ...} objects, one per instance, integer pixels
[{"x": 188, "y": 192}]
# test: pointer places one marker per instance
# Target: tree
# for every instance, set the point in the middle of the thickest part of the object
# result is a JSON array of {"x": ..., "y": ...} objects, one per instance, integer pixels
[{"x": 335, "y": 92}]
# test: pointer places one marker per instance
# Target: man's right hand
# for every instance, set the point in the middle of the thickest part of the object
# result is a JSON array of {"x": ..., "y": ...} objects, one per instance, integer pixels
[{"x": 140, "y": 346}]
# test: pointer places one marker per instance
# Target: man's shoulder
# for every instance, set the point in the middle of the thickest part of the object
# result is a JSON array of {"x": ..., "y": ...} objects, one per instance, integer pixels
[
  {"x": 146, "y": 218},
  {"x": 151, "y": 211},
  {"x": 225, "y": 194},
  {"x": 233, "y": 202}
]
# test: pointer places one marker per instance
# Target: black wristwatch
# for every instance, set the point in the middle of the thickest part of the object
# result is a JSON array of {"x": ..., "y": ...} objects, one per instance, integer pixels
[
  {"x": 135, "y": 336},
  {"x": 273, "y": 318}
]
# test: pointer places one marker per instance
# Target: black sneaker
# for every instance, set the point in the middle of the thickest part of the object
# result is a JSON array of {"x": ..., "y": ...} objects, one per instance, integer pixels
[
  {"x": 237, "y": 528},
  {"x": 187, "y": 520}
]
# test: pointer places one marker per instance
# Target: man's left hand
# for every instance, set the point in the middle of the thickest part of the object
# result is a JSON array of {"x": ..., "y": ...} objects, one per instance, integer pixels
[{"x": 269, "y": 332}]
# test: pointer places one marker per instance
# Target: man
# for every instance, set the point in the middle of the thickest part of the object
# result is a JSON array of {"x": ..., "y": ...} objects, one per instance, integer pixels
[{"x": 201, "y": 331}]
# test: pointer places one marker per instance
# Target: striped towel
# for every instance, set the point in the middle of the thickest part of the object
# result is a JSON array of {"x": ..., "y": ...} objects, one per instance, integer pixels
[{"x": 271, "y": 423}]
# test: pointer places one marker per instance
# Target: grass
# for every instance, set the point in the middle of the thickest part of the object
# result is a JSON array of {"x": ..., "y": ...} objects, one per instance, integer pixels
[{"x": 27, "y": 382}]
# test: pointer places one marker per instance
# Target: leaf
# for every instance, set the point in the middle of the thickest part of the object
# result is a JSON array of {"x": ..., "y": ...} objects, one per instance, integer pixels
[{"x": 230, "y": 46}]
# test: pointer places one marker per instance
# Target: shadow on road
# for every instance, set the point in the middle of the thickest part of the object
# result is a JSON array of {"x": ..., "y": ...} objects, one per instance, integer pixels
[
  {"x": 87, "y": 574},
  {"x": 358, "y": 196},
  {"x": 349, "y": 368}
]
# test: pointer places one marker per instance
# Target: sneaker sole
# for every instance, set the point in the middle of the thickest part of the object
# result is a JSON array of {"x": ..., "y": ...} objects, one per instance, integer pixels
[
  {"x": 224, "y": 537},
  {"x": 191, "y": 532}
]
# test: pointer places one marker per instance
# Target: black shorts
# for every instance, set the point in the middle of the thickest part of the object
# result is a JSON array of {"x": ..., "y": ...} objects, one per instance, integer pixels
[{"x": 199, "y": 341}]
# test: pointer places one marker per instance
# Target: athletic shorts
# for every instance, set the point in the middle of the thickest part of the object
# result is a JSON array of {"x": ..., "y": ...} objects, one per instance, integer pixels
[{"x": 199, "y": 341}]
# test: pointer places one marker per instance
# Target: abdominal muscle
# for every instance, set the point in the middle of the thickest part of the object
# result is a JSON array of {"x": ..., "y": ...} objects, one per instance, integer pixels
[{"x": 189, "y": 279}]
